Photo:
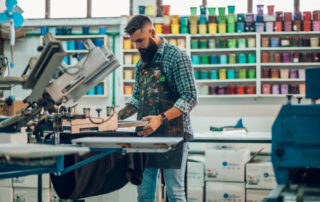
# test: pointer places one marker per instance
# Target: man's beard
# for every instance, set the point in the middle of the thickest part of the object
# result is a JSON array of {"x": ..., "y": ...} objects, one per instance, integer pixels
[{"x": 147, "y": 54}]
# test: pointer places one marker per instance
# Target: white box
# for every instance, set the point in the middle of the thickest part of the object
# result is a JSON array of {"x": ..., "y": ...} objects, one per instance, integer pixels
[
  {"x": 195, "y": 194},
  {"x": 30, "y": 194},
  {"x": 6, "y": 194},
  {"x": 31, "y": 181},
  {"x": 54, "y": 196},
  {"x": 255, "y": 195},
  {"x": 225, "y": 191},
  {"x": 14, "y": 138},
  {"x": 6, "y": 183},
  {"x": 195, "y": 174},
  {"x": 260, "y": 175},
  {"x": 226, "y": 165}
]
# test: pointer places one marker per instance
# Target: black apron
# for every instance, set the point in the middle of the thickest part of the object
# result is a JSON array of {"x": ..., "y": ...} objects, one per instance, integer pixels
[{"x": 156, "y": 97}]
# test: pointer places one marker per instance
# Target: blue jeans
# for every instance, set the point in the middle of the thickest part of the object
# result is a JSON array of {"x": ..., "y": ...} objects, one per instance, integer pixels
[{"x": 173, "y": 178}]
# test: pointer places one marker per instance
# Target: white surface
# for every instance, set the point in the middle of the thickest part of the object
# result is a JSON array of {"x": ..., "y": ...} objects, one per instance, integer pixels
[
  {"x": 134, "y": 142},
  {"x": 260, "y": 175},
  {"x": 5, "y": 183},
  {"x": 232, "y": 135},
  {"x": 256, "y": 195},
  {"x": 223, "y": 191},
  {"x": 195, "y": 174},
  {"x": 195, "y": 194},
  {"x": 30, "y": 194},
  {"x": 38, "y": 150},
  {"x": 31, "y": 181},
  {"x": 14, "y": 138},
  {"x": 6, "y": 194},
  {"x": 227, "y": 165}
]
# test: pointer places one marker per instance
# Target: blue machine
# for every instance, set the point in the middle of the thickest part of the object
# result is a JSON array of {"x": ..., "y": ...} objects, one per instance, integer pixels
[{"x": 296, "y": 147}]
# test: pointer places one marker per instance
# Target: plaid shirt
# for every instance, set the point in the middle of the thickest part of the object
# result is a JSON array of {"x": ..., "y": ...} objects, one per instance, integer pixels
[{"x": 178, "y": 69}]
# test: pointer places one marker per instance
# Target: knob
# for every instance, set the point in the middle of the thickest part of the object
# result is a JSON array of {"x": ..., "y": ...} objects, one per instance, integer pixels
[
  {"x": 289, "y": 97},
  {"x": 40, "y": 48},
  {"x": 299, "y": 100},
  {"x": 98, "y": 111}
]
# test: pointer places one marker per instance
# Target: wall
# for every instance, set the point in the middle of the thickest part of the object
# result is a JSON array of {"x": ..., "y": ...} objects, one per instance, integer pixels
[{"x": 258, "y": 113}]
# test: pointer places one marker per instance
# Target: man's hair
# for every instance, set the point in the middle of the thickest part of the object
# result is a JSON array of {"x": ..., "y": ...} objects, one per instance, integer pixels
[{"x": 137, "y": 22}]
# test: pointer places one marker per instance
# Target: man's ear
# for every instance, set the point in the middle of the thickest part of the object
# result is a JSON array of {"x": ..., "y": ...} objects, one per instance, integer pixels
[{"x": 153, "y": 32}]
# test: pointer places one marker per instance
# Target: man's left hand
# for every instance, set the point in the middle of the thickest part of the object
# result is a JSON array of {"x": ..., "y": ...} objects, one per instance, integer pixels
[{"x": 153, "y": 125}]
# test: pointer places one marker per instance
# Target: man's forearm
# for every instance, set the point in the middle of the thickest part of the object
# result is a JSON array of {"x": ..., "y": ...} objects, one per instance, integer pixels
[
  {"x": 127, "y": 111},
  {"x": 173, "y": 113}
]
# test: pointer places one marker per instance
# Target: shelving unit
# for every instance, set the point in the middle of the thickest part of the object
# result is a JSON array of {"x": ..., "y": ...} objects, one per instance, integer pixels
[
  {"x": 103, "y": 85},
  {"x": 257, "y": 66}
]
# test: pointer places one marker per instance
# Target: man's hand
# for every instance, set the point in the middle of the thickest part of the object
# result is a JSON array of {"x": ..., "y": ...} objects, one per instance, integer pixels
[{"x": 154, "y": 123}]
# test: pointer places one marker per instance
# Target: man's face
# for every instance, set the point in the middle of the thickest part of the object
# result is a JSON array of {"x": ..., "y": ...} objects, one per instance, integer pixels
[{"x": 147, "y": 47}]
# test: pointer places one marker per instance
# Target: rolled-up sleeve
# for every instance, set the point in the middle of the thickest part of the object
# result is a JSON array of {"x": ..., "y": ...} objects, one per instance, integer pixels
[
  {"x": 185, "y": 83},
  {"x": 134, "y": 99}
]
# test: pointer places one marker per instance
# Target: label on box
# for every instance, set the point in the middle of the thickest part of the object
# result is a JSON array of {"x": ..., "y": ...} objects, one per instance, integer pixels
[
  {"x": 225, "y": 191},
  {"x": 31, "y": 181},
  {"x": 195, "y": 174},
  {"x": 253, "y": 195},
  {"x": 260, "y": 175},
  {"x": 226, "y": 165}
]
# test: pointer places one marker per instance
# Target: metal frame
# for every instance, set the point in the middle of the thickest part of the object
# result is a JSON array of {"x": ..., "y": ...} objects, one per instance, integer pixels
[{"x": 58, "y": 168}]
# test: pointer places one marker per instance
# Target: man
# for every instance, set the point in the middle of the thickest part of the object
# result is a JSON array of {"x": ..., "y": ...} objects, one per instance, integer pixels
[{"x": 164, "y": 94}]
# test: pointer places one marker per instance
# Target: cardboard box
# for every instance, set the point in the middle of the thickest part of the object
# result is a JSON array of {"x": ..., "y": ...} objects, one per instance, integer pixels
[
  {"x": 260, "y": 175},
  {"x": 195, "y": 194},
  {"x": 31, "y": 181},
  {"x": 226, "y": 164},
  {"x": 6, "y": 183},
  {"x": 195, "y": 174},
  {"x": 6, "y": 194},
  {"x": 13, "y": 109},
  {"x": 30, "y": 194},
  {"x": 255, "y": 195},
  {"x": 225, "y": 191}
]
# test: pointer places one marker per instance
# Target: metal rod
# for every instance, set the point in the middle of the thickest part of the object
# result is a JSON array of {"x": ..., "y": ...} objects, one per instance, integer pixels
[
  {"x": 131, "y": 7},
  {"x": 296, "y": 5},
  {"x": 40, "y": 188},
  {"x": 89, "y": 8},
  {"x": 88, "y": 160},
  {"x": 47, "y": 10},
  {"x": 249, "y": 6}
]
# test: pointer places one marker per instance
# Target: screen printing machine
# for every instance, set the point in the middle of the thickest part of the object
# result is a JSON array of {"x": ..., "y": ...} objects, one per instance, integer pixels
[
  {"x": 52, "y": 83},
  {"x": 296, "y": 147}
]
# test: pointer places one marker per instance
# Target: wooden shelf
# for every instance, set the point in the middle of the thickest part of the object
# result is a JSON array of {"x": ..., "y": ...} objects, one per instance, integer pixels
[
  {"x": 313, "y": 64},
  {"x": 79, "y": 36},
  {"x": 282, "y": 80},
  {"x": 130, "y": 51},
  {"x": 128, "y": 66},
  {"x": 225, "y": 65},
  {"x": 290, "y": 48},
  {"x": 281, "y": 95},
  {"x": 229, "y": 96},
  {"x": 240, "y": 34},
  {"x": 128, "y": 81},
  {"x": 222, "y": 50},
  {"x": 288, "y": 33},
  {"x": 200, "y": 81}
]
